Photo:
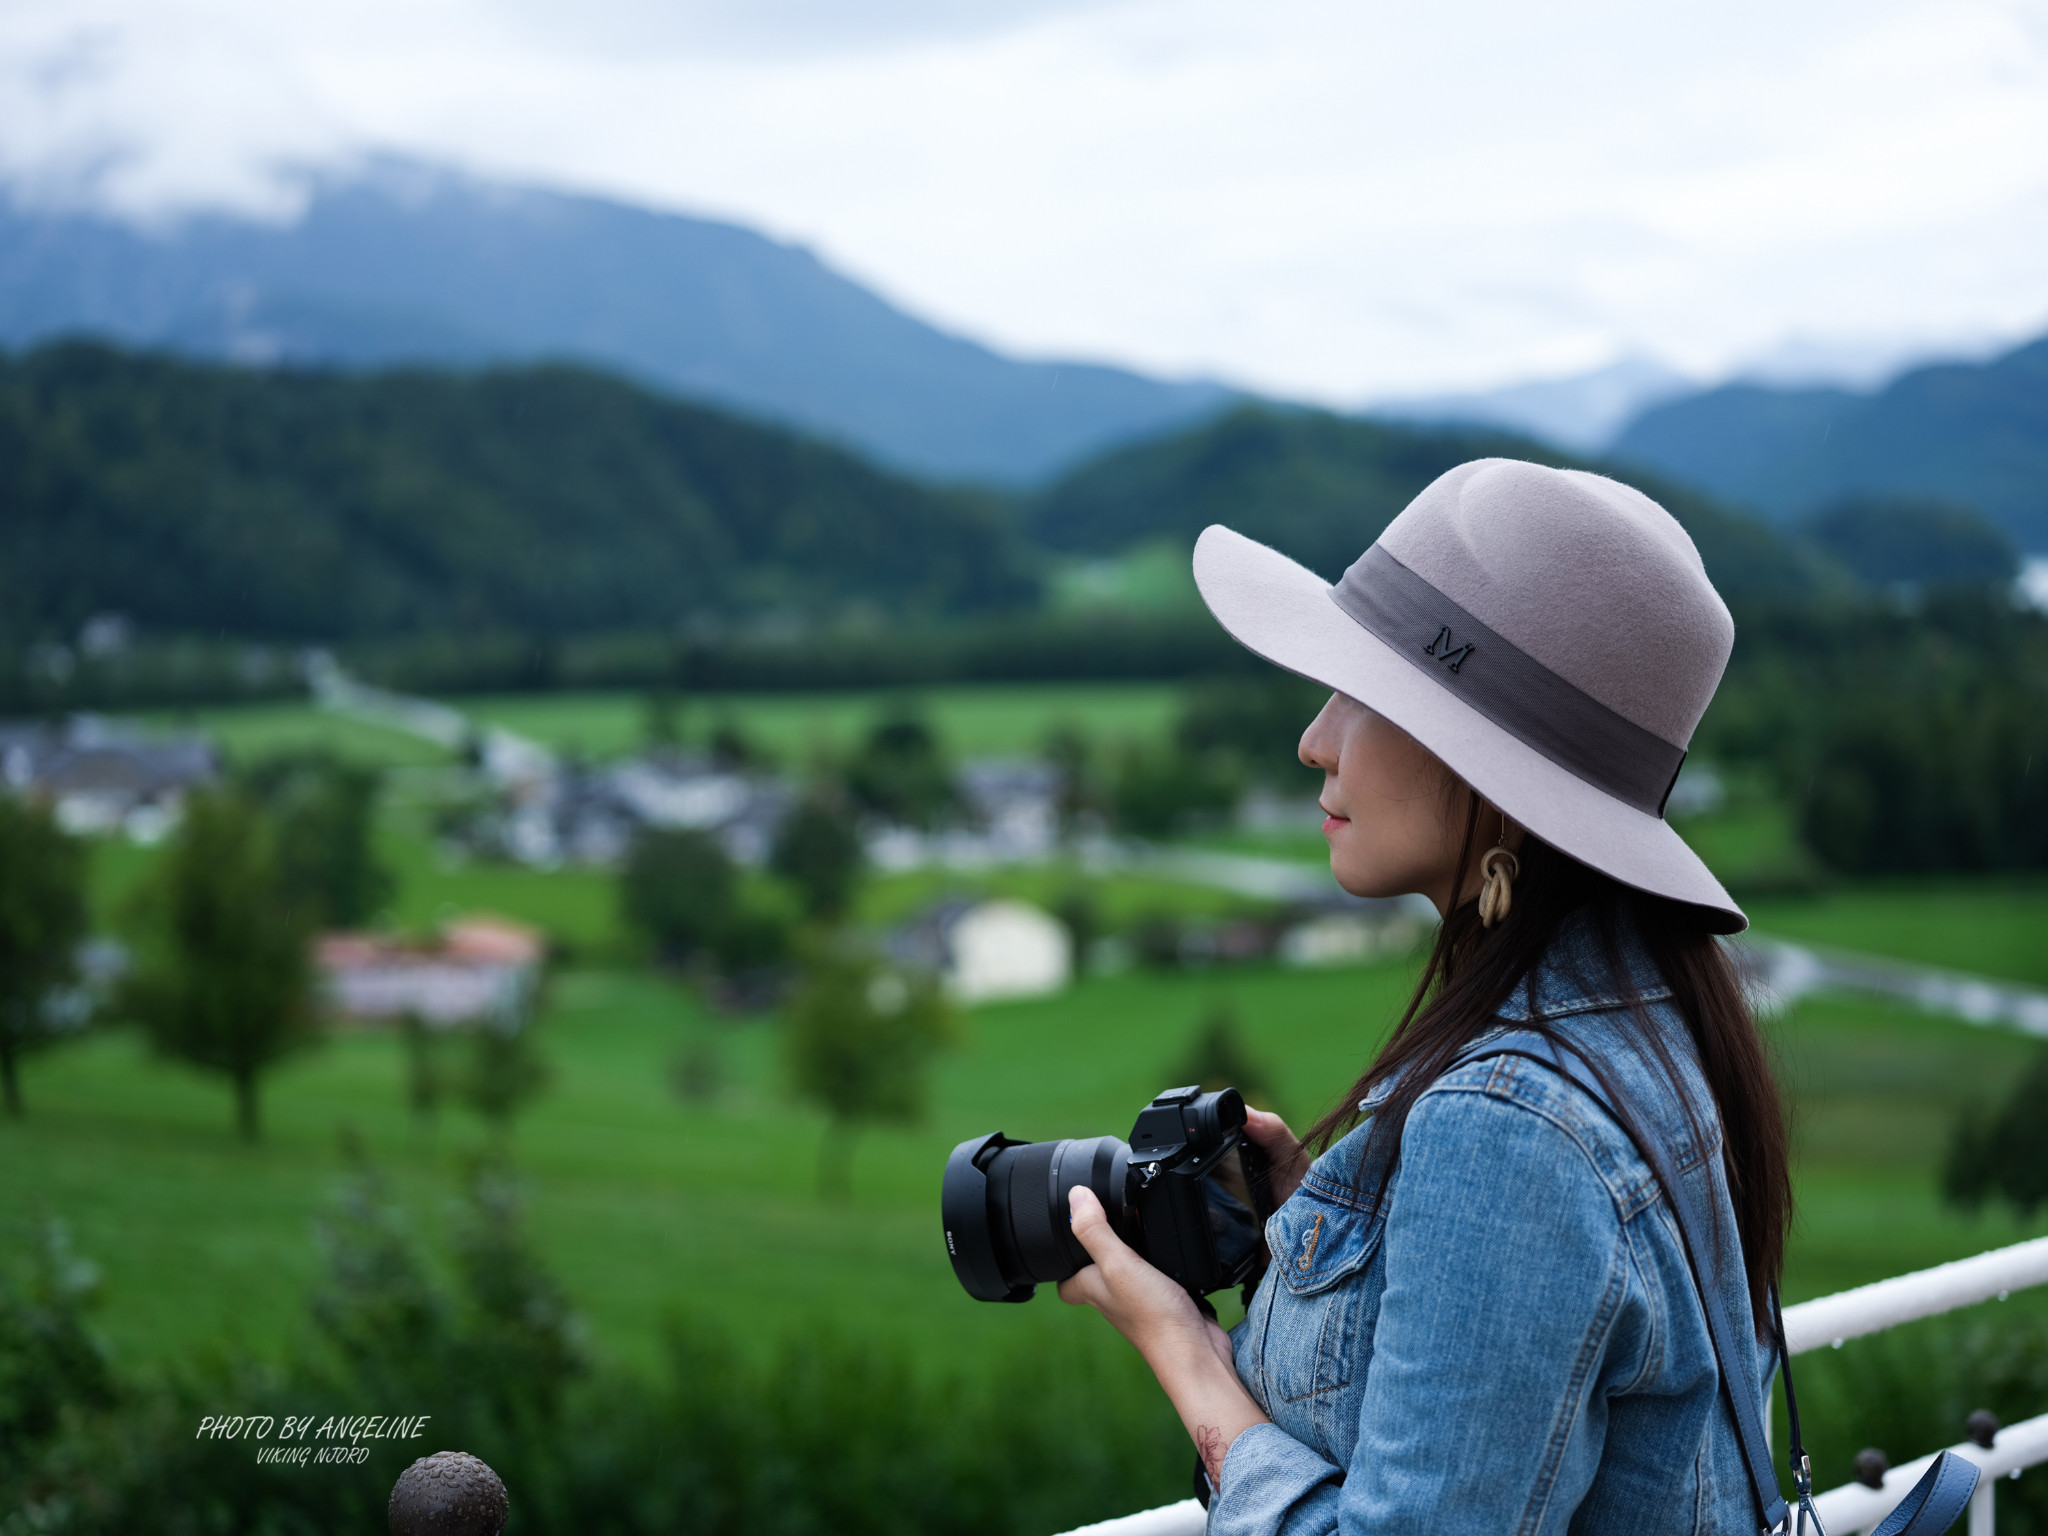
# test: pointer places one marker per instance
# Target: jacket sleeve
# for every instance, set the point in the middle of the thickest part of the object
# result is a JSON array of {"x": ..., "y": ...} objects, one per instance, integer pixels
[{"x": 1483, "y": 1407}]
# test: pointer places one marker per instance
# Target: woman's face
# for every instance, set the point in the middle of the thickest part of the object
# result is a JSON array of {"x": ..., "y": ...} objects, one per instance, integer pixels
[{"x": 1383, "y": 797}]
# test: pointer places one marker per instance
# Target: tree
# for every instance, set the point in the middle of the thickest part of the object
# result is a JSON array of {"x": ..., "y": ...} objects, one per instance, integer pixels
[
  {"x": 1083, "y": 919},
  {"x": 222, "y": 977},
  {"x": 425, "y": 1076},
  {"x": 1259, "y": 719},
  {"x": 677, "y": 888},
  {"x": 500, "y": 1343},
  {"x": 817, "y": 850},
  {"x": 1914, "y": 540},
  {"x": 1159, "y": 790},
  {"x": 1072, "y": 755},
  {"x": 734, "y": 751},
  {"x": 900, "y": 774},
  {"x": 42, "y": 920},
  {"x": 49, "y": 1359},
  {"x": 324, "y": 811},
  {"x": 661, "y": 719},
  {"x": 1218, "y": 1058},
  {"x": 2005, "y": 1154},
  {"x": 506, "y": 1070},
  {"x": 859, "y": 1037}
]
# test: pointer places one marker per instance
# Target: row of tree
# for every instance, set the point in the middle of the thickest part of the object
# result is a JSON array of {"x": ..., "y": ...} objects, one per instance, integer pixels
[{"x": 1909, "y": 735}]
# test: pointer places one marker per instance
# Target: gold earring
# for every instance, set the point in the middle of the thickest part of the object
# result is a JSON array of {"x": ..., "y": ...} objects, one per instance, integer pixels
[{"x": 1498, "y": 871}]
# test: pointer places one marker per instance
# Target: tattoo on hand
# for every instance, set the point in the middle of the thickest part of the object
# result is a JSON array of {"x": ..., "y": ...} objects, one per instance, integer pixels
[{"x": 1211, "y": 1447}]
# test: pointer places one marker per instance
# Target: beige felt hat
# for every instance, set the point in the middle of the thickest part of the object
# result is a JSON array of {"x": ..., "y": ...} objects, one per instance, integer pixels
[{"x": 1550, "y": 634}]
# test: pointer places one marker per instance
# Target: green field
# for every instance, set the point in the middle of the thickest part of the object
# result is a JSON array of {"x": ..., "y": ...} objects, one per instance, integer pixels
[
  {"x": 248, "y": 731},
  {"x": 978, "y": 721},
  {"x": 647, "y": 1204},
  {"x": 1993, "y": 927},
  {"x": 644, "y": 1203}
]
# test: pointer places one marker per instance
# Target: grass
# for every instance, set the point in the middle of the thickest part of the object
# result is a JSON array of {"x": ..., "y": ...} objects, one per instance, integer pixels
[
  {"x": 1991, "y": 926},
  {"x": 648, "y": 1205},
  {"x": 643, "y": 1203},
  {"x": 1147, "y": 578},
  {"x": 1875, "y": 1090},
  {"x": 982, "y": 720},
  {"x": 245, "y": 732}
]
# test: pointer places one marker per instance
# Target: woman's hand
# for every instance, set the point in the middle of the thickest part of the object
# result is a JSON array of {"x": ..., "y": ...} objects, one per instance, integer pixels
[
  {"x": 1287, "y": 1155},
  {"x": 1141, "y": 1303},
  {"x": 1189, "y": 1353}
]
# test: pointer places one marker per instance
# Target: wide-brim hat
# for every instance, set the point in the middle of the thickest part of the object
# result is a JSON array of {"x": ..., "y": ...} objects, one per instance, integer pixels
[{"x": 1550, "y": 634}]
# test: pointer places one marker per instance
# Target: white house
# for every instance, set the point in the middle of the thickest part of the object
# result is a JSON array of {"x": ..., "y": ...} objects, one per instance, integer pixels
[{"x": 986, "y": 950}]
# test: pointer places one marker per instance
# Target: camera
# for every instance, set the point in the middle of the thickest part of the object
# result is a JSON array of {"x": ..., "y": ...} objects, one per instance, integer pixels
[{"x": 1189, "y": 1192}]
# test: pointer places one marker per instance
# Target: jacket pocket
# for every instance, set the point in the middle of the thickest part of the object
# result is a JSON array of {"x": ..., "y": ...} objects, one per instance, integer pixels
[
  {"x": 1317, "y": 1241},
  {"x": 1319, "y": 1327}
]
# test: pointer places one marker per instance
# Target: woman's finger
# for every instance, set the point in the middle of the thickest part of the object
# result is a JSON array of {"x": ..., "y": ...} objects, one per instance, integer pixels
[
  {"x": 1091, "y": 1227},
  {"x": 1286, "y": 1154},
  {"x": 1084, "y": 1288},
  {"x": 1269, "y": 1131}
]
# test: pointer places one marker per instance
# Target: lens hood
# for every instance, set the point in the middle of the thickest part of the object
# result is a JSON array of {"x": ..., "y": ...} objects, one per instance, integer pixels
[{"x": 963, "y": 1206}]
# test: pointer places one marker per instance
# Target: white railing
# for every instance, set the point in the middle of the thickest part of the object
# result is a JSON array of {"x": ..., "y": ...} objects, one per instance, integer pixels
[{"x": 1828, "y": 1321}]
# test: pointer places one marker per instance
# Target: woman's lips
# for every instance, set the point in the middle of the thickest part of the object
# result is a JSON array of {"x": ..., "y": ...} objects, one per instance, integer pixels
[{"x": 1332, "y": 823}]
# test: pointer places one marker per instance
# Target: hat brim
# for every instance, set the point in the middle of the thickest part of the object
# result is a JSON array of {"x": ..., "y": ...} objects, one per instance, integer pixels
[{"x": 1282, "y": 611}]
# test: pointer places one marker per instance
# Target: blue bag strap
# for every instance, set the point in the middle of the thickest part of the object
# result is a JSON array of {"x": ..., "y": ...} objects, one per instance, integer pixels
[
  {"x": 1738, "y": 1365},
  {"x": 1942, "y": 1494}
]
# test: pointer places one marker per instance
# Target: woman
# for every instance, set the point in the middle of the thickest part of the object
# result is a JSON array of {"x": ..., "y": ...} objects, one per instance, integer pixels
[{"x": 1480, "y": 1312}]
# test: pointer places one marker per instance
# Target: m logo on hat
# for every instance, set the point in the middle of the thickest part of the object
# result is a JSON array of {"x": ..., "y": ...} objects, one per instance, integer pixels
[{"x": 1442, "y": 649}]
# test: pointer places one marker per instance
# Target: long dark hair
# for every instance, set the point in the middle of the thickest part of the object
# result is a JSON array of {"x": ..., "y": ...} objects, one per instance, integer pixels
[{"x": 1472, "y": 971}]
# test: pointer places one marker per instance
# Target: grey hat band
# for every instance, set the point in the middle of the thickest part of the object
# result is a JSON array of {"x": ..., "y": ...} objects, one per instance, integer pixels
[{"x": 1506, "y": 684}]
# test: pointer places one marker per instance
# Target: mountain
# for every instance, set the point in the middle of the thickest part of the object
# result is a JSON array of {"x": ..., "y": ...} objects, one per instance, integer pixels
[
  {"x": 297, "y": 505},
  {"x": 1581, "y": 412},
  {"x": 1320, "y": 487},
  {"x": 403, "y": 263},
  {"x": 1974, "y": 433}
]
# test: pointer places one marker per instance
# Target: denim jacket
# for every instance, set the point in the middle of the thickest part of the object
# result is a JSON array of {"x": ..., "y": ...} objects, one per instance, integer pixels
[{"x": 1511, "y": 1340}]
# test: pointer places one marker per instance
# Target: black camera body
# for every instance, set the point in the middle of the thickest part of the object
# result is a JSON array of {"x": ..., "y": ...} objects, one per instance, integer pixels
[{"x": 1189, "y": 1192}]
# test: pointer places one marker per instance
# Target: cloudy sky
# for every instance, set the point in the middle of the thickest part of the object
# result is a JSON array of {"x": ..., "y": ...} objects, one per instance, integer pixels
[{"x": 1333, "y": 198}]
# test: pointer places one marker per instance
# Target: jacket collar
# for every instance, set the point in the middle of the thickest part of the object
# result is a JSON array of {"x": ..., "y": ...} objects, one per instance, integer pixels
[{"x": 1579, "y": 974}]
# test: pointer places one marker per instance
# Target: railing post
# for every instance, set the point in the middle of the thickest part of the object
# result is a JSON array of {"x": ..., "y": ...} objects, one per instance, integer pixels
[
  {"x": 1982, "y": 1429},
  {"x": 1980, "y": 1506}
]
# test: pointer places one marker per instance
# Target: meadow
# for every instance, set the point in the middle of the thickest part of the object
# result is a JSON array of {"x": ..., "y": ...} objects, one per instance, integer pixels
[
  {"x": 648, "y": 1203},
  {"x": 652, "y": 1205},
  {"x": 983, "y": 720}
]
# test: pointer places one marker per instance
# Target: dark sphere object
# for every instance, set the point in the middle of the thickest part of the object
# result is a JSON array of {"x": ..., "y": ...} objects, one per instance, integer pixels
[
  {"x": 1871, "y": 1467},
  {"x": 1982, "y": 1427},
  {"x": 450, "y": 1493}
]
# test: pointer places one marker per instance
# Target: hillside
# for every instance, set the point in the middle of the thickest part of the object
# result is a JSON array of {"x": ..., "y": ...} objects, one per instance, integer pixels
[
  {"x": 403, "y": 263},
  {"x": 1320, "y": 487},
  {"x": 304, "y": 505},
  {"x": 1975, "y": 433}
]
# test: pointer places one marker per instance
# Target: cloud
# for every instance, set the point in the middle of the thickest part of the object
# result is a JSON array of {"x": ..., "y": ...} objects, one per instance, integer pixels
[
  {"x": 775, "y": 28},
  {"x": 1327, "y": 197}
]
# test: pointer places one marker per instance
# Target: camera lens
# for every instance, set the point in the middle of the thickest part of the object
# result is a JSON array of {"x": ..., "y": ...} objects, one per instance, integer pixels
[{"x": 1005, "y": 1208}]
